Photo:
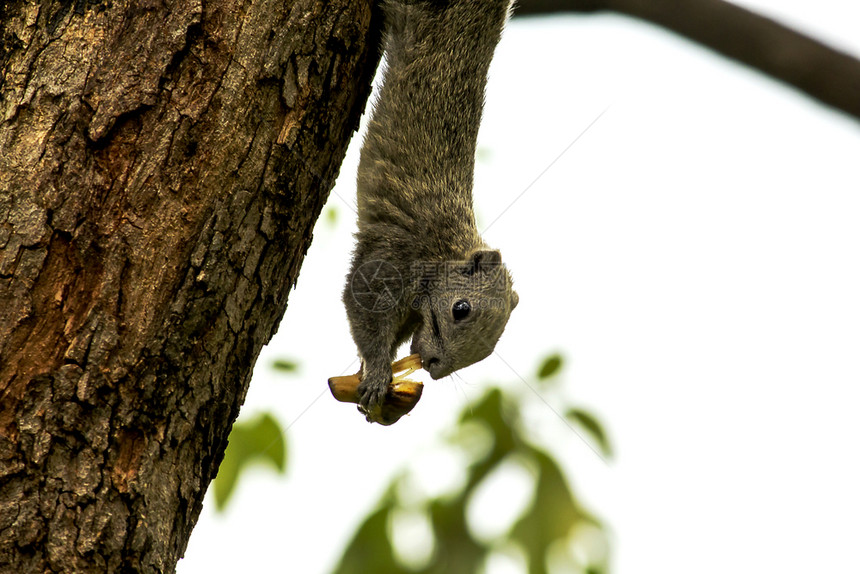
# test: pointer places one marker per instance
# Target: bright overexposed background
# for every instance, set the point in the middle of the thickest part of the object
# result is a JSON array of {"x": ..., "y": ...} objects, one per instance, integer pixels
[{"x": 695, "y": 256}]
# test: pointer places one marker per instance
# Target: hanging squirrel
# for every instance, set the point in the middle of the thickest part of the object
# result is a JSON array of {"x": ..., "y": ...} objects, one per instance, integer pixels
[{"x": 420, "y": 267}]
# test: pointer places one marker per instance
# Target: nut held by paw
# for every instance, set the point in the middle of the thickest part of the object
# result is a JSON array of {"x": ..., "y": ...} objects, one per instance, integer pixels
[{"x": 402, "y": 394}]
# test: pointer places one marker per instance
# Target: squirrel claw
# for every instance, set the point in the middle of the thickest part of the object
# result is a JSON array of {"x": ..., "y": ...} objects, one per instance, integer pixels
[{"x": 370, "y": 401}]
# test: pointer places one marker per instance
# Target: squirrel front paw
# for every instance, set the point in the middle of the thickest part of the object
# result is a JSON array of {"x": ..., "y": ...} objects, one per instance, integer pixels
[
  {"x": 371, "y": 395},
  {"x": 400, "y": 397}
]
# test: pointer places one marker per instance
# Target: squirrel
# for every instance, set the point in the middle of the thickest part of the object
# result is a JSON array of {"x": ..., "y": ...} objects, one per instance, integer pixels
[{"x": 420, "y": 267}]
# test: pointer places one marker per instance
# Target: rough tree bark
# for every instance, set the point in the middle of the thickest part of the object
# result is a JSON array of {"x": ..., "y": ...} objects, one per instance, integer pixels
[{"x": 161, "y": 167}]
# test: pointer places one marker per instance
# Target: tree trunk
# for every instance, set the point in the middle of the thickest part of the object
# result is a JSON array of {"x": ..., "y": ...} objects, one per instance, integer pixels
[{"x": 161, "y": 168}]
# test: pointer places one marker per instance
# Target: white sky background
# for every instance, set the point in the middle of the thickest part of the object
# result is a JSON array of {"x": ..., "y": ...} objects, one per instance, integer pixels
[{"x": 694, "y": 256}]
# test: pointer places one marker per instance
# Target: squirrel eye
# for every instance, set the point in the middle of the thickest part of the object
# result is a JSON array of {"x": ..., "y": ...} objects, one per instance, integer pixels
[{"x": 461, "y": 309}]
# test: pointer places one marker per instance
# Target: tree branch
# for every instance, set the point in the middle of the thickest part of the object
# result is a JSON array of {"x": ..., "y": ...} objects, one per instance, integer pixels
[{"x": 824, "y": 73}]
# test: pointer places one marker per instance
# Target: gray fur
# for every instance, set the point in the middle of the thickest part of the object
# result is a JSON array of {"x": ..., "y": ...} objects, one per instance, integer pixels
[{"x": 417, "y": 243}]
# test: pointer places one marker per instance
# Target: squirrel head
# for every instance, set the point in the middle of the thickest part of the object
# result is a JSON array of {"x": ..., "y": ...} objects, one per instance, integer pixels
[{"x": 464, "y": 307}]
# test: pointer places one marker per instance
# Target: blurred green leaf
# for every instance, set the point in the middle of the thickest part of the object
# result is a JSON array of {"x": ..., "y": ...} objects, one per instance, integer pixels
[
  {"x": 552, "y": 516},
  {"x": 490, "y": 411},
  {"x": 370, "y": 549},
  {"x": 551, "y": 519},
  {"x": 255, "y": 441},
  {"x": 331, "y": 216},
  {"x": 456, "y": 549},
  {"x": 285, "y": 365},
  {"x": 550, "y": 366},
  {"x": 228, "y": 474},
  {"x": 587, "y": 422}
]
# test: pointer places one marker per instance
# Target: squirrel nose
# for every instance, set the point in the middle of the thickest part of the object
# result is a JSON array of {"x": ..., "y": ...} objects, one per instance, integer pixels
[{"x": 432, "y": 363}]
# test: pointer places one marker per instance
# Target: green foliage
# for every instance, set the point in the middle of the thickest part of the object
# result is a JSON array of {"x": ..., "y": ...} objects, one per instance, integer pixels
[
  {"x": 551, "y": 521},
  {"x": 553, "y": 513},
  {"x": 549, "y": 367},
  {"x": 376, "y": 550},
  {"x": 331, "y": 216},
  {"x": 260, "y": 440},
  {"x": 592, "y": 427},
  {"x": 285, "y": 365},
  {"x": 553, "y": 518}
]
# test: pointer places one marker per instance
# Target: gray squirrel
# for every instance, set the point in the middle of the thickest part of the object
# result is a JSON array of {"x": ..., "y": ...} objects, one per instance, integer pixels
[{"x": 420, "y": 267}]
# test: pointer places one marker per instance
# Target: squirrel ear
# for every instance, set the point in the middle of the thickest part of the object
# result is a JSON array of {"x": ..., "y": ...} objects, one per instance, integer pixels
[{"x": 486, "y": 257}]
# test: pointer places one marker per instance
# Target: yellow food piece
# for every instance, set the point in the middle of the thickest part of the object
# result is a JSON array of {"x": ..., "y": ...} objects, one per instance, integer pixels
[{"x": 402, "y": 395}]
